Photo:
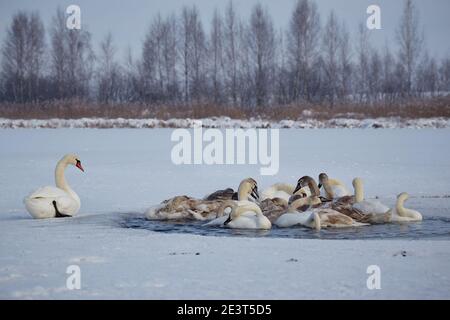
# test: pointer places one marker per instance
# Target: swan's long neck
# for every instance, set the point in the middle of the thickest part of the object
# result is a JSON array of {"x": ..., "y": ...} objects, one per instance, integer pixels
[
  {"x": 401, "y": 210},
  {"x": 243, "y": 193},
  {"x": 328, "y": 189},
  {"x": 60, "y": 178},
  {"x": 314, "y": 188},
  {"x": 359, "y": 191}
]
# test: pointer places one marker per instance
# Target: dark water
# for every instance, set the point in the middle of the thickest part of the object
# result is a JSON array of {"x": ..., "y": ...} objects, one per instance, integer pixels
[{"x": 437, "y": 228}]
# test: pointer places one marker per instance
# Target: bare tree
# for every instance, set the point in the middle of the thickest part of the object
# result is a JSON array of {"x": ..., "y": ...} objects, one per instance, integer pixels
[
  {"x": 151, "y": 63},
  {"x": 363, "y": 63},
  {"x": 375, "y": 75},
  {"x": 410, "y": 40},
  {"x": 109, "y": 73},
  {"x": 345, "y": 63},
  {"x": 444, "y": 76},
  {"x": 170, "y": 58},
  {"x": 331, "y": 45},
  {"x": 261, "y": 43},
  {"x": 282, "y": 72},
  {"x": 427, "y": 77},
  {"x": 72, "y": 59},
  {"x": 23, "y": 53},
  {"x": 303, "y": 39},
  {"x": 217, "y": 57},
  {"x": 231, "y": 48},
  {"x": 131, "y": 88},
  {"x": 185, "y": 50},
  {"x": 198, "y": 56},
  {"x": 389, "y": 85}
]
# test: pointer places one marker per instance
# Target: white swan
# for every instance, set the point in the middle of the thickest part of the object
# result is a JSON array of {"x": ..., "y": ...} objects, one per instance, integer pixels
[
  {"x": 294, "y": 218},
  {"x": 306, "y": 219},
  {"x": 244, "y": 215},
  {"x": 368, "y": 206},
  {"x": 401, "y": 214},
  {"x": 332, "y": 188},
  {"x": 59, "y": 201},
  {"x": 366, "y": 211}
]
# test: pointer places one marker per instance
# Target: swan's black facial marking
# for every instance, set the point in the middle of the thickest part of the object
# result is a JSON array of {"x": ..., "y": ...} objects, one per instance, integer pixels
[{"x": 78, "y": 165}]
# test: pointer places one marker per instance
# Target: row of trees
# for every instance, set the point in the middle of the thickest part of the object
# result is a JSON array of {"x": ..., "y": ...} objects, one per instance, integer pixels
[{"x": 239, "y": 62}]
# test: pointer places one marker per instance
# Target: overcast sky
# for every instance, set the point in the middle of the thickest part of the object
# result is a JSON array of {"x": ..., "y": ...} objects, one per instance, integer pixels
[{"x": 128, "y": 20}]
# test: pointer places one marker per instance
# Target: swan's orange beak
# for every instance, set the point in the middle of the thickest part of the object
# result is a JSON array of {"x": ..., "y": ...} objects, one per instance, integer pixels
[{"x": 79, "y": 166}]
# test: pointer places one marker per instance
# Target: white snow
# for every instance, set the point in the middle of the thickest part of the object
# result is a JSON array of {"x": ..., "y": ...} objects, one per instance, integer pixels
[
  {"x": 226, "y": 122},
  {"x": 129, "y": 170}
]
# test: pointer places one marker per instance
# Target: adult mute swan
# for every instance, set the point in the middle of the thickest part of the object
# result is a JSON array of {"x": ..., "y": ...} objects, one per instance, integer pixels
[
  {"x": 243, "y": 215},
  {"x": 293, "y": 217},
  {"x": 59, "y": 201},
  {"x": 332, "y": 188},
  {"x": 401, "y": 214},
  {"x": 360, "y": 209}
]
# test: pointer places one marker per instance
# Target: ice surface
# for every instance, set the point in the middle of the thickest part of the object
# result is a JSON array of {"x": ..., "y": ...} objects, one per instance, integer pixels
[{"x": 129, "y": 170}]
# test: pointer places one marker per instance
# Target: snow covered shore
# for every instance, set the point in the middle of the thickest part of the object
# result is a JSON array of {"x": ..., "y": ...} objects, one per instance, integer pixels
[{"x": 225, "y": 122}]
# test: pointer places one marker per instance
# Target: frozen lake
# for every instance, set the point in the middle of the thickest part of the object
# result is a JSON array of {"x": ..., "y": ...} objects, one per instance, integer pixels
[{"x": 128, "y": 170}]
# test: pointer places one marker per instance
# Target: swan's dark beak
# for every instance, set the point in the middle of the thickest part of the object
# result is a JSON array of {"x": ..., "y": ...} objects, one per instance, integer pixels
[
  {"x": 319, "y": 185},
  {"x": 227, "y": 221},
  {"x": 298, "y": 187},
  {"x": 79, "y": 166}
]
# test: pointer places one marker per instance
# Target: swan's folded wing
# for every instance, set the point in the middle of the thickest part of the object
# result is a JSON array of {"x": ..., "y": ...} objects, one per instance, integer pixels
[
  {"x": 66, "y": 205},
  {"x": 226, "y": 194},
  {"x": 371, "y": 206},
  {"x": 292, "y": 219},
  {"x": 48, "y": 192}
]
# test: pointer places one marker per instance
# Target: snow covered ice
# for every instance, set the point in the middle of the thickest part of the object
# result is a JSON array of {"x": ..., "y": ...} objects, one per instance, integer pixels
[{"x": 128, "y": 170}]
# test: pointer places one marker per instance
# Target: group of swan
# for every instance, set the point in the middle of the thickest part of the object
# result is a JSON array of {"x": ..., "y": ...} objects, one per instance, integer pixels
[
  {"x": 285, "y": 206},
  {"x": 328, "y": 204}
]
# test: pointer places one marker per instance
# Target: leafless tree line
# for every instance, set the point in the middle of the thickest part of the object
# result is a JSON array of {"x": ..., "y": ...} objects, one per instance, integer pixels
[{"x": 240, "y": 63}]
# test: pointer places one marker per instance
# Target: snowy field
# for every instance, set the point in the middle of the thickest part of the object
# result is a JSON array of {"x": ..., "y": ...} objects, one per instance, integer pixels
[{"x": 127, "y": 170}]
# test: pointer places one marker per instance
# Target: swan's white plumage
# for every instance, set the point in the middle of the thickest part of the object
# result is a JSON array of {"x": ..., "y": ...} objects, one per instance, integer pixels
[
  {"x": 401, "y": 214},
  {"x": 40, "y": 202},
  {"x": 338, "y": 191},
  {"x": 371, "y": 206},
  {"x": 247, "y": 215},
  {"x": 307, "y": 219},
  {"x": 278, "y": 190}
]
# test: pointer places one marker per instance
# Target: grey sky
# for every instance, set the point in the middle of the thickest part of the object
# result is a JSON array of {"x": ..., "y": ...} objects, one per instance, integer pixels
[{"x": 129, "y": 20}]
